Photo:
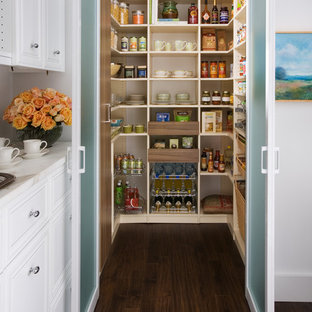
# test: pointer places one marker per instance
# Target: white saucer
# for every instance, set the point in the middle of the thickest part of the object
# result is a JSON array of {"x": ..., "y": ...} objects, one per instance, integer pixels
[
  {"x": 13, "y": 163},
  {"x": 36, "y": 155},
  {"x": 182, "y": 76}
]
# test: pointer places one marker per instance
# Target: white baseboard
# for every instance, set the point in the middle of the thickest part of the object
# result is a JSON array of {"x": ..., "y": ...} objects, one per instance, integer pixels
[
  {"x": 293, "y": 287},
  {"x": 250, "y": 301},
  {"x": 94, "y": 300}
]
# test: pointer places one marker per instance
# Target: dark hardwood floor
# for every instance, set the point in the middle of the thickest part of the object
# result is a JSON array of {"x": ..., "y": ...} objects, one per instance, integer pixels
[
  {"x": 293, "y": 307},
  {"x": 173, "y": 267}
]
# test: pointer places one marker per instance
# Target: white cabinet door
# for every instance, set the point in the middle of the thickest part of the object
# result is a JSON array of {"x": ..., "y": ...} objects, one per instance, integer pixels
[
  {"x": 55, "y": 34},
  {"x": 26, "y": 279},
  {"x": 28, "y": 42}
]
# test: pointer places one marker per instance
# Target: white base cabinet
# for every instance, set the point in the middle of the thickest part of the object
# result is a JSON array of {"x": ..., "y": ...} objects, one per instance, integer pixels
[{"x": 35, "y": 273}]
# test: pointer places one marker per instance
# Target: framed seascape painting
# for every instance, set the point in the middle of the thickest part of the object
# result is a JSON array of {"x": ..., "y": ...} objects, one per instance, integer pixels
[{"x": 293, "y": 71}]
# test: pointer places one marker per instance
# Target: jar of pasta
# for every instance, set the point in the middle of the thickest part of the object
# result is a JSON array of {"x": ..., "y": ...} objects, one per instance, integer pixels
[
  {"x": 112, "y": 37},
  {"x": 138, "y": 17},
  {"x": 123, "y": 13},
  {"x": 116, "y": 10}
]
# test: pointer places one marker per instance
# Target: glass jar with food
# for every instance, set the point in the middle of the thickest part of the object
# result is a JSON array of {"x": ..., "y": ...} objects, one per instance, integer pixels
[
  {"x": 216, "y": 98},
  {"x": 116, "y": 10},
  {"x": 206, "y": 98},
  {"x": 170, "y": 10},
  {"x": 133, "y": 44},
  {"x": 123, "y": 13},
  {"x": 129, "y": 71},
  {"x": 226, "y": 98},
  {"x": 142, "y": 71},
  {"x": 213, "y": 69},
  {"x": 222, "y": 69},
  {"x": 224, "y": 15},
  {"x": 204, "y": 69},
  {"x": 138, "y": 17}
]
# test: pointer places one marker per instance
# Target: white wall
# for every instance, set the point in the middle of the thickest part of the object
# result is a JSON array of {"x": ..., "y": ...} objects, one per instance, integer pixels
[{"x": 293, "y": 262}]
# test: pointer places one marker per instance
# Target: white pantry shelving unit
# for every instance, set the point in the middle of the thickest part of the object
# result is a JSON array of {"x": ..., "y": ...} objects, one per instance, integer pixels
[{"x": 139, "y": 144}]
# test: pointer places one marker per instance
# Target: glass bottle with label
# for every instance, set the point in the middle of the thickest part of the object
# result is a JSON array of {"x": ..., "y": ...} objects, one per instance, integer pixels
[
  {"x": 210, "y": 163},
  {"x": 205, "y": 14},
  {"x": 193, "y": 14},
  {"x": 221, "y": 167},
  {"x": 204, "y": 161},
  {"x": 215, "y": 13},
  {"x": 216, "y": 160}
]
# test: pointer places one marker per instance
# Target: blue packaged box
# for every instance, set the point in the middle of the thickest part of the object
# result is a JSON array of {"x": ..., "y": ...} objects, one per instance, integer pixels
[{"x": 162, "y": 116}]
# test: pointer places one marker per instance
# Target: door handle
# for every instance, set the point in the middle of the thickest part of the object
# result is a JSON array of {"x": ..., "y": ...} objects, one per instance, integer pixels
[
  {"x": 108, "y": 113},
  {"x": 263, "y": 149},
  {"x": 278, "y": 160},
  {"x": 82, "y": 149}
]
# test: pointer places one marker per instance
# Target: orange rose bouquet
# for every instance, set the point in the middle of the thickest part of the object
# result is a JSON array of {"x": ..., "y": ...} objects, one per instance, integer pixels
[{"x": 39, "y": 112}]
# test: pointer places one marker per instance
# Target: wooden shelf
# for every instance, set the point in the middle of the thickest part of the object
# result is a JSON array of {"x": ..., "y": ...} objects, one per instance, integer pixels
[
  {"x": 218, "y": 26},
  {"x": 241, "y": 15},
  {"x": 173, "y": 79},
  {"x": 229, "y": 52},
  {"x": 216, "y": 134},
  {"x": 173, "y": 128},
  {"x": 114, "y": 108},
  {"x": 129, "y": 28},
  {"x": 174, "y": 28},
  {"x": 217, "y": 79},
  {"x": 173, "y": 53},
  {"x": 115, "y": 52},
  {"x": 128, "y": 79},
  {"x": 241, "y": 47},
  {"x": 217, "y": 106},
  {"x": 173, "y": 155}
]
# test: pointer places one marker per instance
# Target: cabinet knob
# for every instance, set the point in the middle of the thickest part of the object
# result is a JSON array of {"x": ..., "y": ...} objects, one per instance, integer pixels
[
  {"x": 35, "y": 45},
  {"x": 57, "y": 52},
  {"x": 34, "y": 270},
  {"x": 34, "y": 213}
]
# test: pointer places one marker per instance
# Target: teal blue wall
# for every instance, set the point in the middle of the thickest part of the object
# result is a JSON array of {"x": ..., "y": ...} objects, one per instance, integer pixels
[
  {"x": 256, "y": 139},
  {"x": 88, "y": 139}
]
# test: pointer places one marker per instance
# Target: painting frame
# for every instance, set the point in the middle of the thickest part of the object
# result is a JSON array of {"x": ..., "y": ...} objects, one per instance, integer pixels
[{"x": 307, "y": 79}]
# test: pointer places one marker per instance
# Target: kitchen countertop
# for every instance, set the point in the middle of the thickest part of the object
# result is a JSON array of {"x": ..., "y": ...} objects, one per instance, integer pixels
[{"x": 31, "y": 171}]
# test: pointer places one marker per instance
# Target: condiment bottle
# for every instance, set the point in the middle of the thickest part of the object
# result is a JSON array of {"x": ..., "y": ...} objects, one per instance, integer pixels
[
  {"x": 205, "y": 14},
  {"x": 206, "y": 98},
  {"x": 214, "y": 69},
  {"x": 224, "y": 15},
  {"x": 221, "y": 167},
  {"x": 193, "y": 14},
  {"x": 216, "y": 160},
  {"x": 226, "y": 98},
  {"x": 210, "y": 163},
  {"x": 215, "y": 13},
  {"x": 204, "y": 69},
  {"x": 216, "y": 98},
  {"x": 222, "y": 69},
  {"x": 204, "y": 161}
]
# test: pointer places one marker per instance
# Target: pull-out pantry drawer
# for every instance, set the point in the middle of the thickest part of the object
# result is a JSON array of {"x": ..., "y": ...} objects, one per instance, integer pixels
[
  {"x": 26, "y": 278},
  {"x": 24, "y": 218}
]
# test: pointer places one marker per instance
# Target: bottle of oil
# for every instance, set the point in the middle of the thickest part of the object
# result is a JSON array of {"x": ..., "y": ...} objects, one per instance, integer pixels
[
  {"x": 221, "y": 168},
  {"x": 210, "y": 163}
]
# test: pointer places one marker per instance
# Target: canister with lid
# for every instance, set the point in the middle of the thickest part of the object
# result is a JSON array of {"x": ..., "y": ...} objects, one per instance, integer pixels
[
  {"x": 138, "y": 17},
  {"x": 216, "y": 98},
  {"x": 129, "y": 71},
  {"x": 142, "y": 71},
  {"x": 124, "y": 44},
  {"x": 226, "y": 98},
  {"x": 142, "y": 43},
  {"x": 133, "y": 44},
  {"x": 206, "y": 98},
  {"x": 123, "y": 13}
]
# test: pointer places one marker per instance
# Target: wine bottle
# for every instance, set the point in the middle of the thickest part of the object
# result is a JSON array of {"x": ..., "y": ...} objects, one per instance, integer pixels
[{"x": 215, "y": 13}]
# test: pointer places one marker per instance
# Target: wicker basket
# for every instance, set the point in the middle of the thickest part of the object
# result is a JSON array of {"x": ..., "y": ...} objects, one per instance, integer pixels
[
  {"x": 241, "y": 206},
  {"x": 240, "y": 142},
  {"x": 241, "y": 164}
]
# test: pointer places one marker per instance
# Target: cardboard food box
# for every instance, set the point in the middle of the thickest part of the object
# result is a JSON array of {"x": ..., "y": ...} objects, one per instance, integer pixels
[
  {"x": 219, "y": 121},
  {"x": 208, "y": 122}
]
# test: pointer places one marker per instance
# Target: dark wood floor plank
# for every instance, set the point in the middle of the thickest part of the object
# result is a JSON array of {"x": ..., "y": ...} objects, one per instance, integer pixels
[{"x": 293, "y": 307}]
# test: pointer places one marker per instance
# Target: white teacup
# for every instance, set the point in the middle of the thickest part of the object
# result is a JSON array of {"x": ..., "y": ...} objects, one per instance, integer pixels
[
  {"x": 191, "y": 46},
  {"x": 168, "y": 46},
  {"x": 162, "y": 73},
  {"x": 180, "y": 73},
  {"x": 188, "y": 73},
  {"x": 4, "y": 142},
  {"x": 180, "y": 45},
  {"x": 159, "y": 45},
  {"x": 7, "y": 154},
  {"x": 34, "y": 146}
]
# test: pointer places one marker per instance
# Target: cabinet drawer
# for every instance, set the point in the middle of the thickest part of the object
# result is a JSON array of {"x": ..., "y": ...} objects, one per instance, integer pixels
[
  {"x": 26, "y": 218},
  {"x": 26, "y": 279},
  {"x": 61, "y": 185}
]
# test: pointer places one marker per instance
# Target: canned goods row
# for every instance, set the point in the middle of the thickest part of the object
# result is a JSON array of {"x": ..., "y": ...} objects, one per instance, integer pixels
[
  {"x": 133, "y": 44},
  {"x": 128, "y": 164}
]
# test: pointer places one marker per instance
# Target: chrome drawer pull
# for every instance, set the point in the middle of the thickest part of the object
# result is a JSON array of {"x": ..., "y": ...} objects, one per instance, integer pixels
[
  {"x": 34, "y": 270},
  {"x": 34, "y": 213},
  {"x": 35, "y": 45},
  {"x": 57, "y": 52}
]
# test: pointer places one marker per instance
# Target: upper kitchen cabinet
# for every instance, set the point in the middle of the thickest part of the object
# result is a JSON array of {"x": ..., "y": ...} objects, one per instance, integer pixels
[{"x": 32, "y": 34}]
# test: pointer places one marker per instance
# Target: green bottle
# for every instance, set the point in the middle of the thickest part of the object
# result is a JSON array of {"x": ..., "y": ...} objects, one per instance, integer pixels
[{"x": 119, "y": 194}]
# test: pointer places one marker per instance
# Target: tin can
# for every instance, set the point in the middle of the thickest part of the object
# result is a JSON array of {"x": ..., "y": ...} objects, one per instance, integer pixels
[
  {"x": 131, "y": 164},
  {"x": 142, "y": 43},
  {"x": 139, "y": 163},
  {"x": 124, "y": 163},
  {"x": 124, "y": 44},
  {"x": 133, "y": 44}
]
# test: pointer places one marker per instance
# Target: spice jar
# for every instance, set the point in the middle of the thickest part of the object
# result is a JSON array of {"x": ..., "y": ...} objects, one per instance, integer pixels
[
  {"x": 142, "y": 71},
  {"x": 226, "y": 98},
  {"x": 222, "y": 69},
  {"x": 129, "y": 71},
  {"x": 116, "y": 10},
  {"x": 133, "y": 44},
  {"x": 123, "y": 13},
  {"x": 204, "y": 69},
  {"x": 214, "y": 69},
  {"x": 216, "y": 98},
  {"x": 142, "y": 43},
  {"x": 124, "y": 44},
  {"x": 138, "y": 17},
  {"x": 206, "y": 98},
  {"x": 224, "y": 15},
  {"x": 170, "y": 10}
]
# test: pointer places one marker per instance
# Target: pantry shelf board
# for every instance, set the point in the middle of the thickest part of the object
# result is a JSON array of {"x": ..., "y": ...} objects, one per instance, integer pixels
[
  {"x": 173, "y": 53},
  {"x": 216, "y": 134},
  {"x": 240, "y": 78},
  {"x": 114, "y": 108},
  {"x": 133, "y": 218},
  {"x": 218, "y": 26},
  {"x": 215, "y": 218},
  {"x": 241, "y": 132},
  {"x": 229, "y": 52},
  {"x": 132, "y": 28},
  {"x": 128, "y": 79},
  {"x": 240, "y": 94},
  {"x": 172, "y": 106},
  {"x": 241, "y": 15},
  {"x": 241, "y": 46},
  {"x": 217, "y": 79},
  {"x": 217, "y": 106},
  {"x": 227, "y": 173},
  {"x": 174, "y": 79},
  {"x": 174, "y": 28},
  {"x": 115, "y": 52},
  {"x": 133, "y": 134}
]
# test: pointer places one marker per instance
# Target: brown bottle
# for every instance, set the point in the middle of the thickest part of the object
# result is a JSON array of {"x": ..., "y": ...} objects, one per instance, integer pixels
[
  {"x": 210, "y": 163},
  {"x": 205, "y": 15},
  {"x": 215, "y": 13},
  {"x": 221, "y": 168},
  {"x": 216, "y": 160},
  {"x": 204, "y": 161}
]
